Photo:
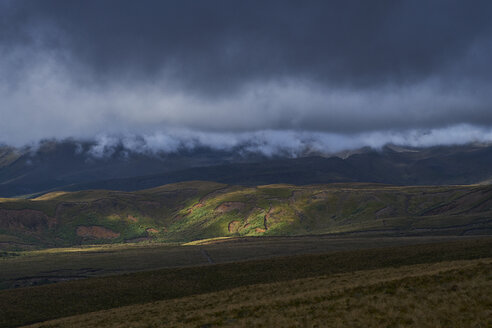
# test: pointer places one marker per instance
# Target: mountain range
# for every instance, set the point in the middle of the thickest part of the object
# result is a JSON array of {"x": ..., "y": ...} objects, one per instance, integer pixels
[{"x": 71, "y": 166}]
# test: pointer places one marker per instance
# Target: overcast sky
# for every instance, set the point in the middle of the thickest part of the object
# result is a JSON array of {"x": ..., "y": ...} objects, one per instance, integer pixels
[{"x": 336, "y": 74}]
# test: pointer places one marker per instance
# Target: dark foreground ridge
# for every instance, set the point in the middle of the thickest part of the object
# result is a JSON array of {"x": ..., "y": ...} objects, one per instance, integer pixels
[{"x": 34, "y": 304}]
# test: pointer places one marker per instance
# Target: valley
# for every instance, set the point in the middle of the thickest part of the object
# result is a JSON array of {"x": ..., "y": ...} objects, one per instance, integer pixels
[
  {"x": 263, "y": 164},
  {"x": 209, "y": 254}
]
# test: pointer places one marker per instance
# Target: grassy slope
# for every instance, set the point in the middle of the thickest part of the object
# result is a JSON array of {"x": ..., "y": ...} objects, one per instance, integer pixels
[
  {"x": 446, "y": 294},
  {"x": 34, "y": 304},
  {"x": 198, "y": 210},
  {"x": 33, "y": 268}
]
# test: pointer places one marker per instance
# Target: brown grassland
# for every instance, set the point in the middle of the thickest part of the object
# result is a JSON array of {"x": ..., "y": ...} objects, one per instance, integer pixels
[
  {"x": 446, "y": 294},
  {"x": 32, "y": 268},
  {"x": 439, "y": 284}
]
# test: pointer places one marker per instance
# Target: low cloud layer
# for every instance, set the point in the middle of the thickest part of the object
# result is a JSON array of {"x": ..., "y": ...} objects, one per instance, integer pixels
[
  {"x": 284, "y": 143},
  {"x": 276, "y": 77}
]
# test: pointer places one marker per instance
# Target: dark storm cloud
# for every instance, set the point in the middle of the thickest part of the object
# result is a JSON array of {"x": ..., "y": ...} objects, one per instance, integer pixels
[
  {"x": 219, "y": 44},
  {"x": 81, "y": 68}
]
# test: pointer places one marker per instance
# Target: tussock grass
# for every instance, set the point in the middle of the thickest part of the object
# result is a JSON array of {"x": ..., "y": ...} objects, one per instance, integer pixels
[
  {"x": 446, "y": 294},
  {"x": 35, "y": 304}
]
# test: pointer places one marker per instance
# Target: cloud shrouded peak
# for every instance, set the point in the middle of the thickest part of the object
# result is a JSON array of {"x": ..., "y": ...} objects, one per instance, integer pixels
[{"x": 330, "y": 72}]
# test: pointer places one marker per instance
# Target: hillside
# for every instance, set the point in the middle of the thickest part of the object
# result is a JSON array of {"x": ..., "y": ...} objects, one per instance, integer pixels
[
  {"x": 390, "y": 165},
  {"x": 434, "y": 295},
  {"x": 55, "y": 164},
  {"x": 197, "y": 210},
  {"x": 73, "y": 166},
  {"x": 443, "y": 284}
]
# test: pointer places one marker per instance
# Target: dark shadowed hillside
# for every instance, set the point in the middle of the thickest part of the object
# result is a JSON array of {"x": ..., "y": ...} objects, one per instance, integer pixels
[
  {"x": 433, "y": 166},
  {"x": 71, "y": 166},
  {"x": 62, "y": 164}
]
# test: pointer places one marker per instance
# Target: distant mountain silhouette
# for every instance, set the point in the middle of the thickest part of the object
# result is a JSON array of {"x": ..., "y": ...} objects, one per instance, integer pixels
[{"x": 62, "y": 166}]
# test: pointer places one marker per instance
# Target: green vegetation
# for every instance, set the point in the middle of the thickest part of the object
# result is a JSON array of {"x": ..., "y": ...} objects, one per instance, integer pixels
[
  {"x": 189, "y": 211},
  {"x": 211, "y": 254},
  {"x": 35, "y": 304}
]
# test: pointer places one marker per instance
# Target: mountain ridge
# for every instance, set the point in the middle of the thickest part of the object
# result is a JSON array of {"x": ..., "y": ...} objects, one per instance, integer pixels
[{"x": 63, "y": 166}]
